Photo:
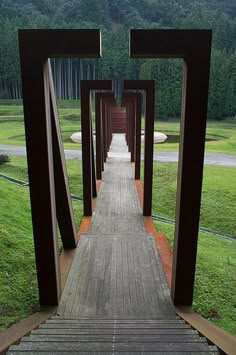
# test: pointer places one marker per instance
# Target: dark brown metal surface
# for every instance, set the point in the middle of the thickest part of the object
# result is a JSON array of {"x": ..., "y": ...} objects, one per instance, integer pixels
[
  {"x": 194, "y": 46},
  {"x": 138, "y": 116},
  {"x": 89, "y": 178},
  {"x": 149, "y": 87},
  {"x": 36, "y": 46},
  {"x": 64, "y": 209},
  {"x": 99, "y": 137}
]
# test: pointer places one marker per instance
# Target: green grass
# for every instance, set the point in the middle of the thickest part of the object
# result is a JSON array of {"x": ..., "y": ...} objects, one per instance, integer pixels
[
  {"x": 215, "y": 278},
  {"x": 12, "y": 128},
  {"x": 12, "y": 123},
  {"x": 221, "y": 135},
  {"x": 218, "y": 209},
  {"x": 214, "y": 295},
  {"x": 18, "y": 291}
]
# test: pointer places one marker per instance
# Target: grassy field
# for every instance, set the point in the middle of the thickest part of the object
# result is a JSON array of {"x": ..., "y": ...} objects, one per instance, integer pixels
[
  {"x": 12, "y": 123},
  {"x": 221, "y": 136},
  {"x": 214, "y": 296}
]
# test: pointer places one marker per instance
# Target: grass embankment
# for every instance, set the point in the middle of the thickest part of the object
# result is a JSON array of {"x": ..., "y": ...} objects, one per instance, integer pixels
[
  {"x": 214, "y": 291},
  {"x": 18, "y": 291},
  {"x": 218, "y": 207},
  {"x": 214, "y": 296},
  {"x": 18, "y": 282}
]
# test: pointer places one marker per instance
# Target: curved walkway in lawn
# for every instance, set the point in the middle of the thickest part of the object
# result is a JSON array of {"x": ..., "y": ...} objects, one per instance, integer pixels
[{"x": 210, "y": 158}]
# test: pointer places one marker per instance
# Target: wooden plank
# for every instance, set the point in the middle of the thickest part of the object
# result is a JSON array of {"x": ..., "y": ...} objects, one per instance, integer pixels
[
  {"x": 144, "y": 338},
  {"x": 132, "y": 280},
  {"x": 77, "y": 346},
  {"x": 131, "y": 331},
  {"x": 78, "y": 284},
  {"x": 116, "y": 353}
]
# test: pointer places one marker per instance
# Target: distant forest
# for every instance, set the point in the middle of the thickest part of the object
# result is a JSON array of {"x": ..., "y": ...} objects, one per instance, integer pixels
[{"x": 115, "y": 18}]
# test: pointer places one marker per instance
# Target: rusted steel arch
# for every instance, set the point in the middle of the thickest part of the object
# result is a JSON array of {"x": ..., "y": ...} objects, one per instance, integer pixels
[
  {"x": 148, "y": 86},
  {"x": 194, "y": 46},
  {"x": 107, "y": 99},
  {"x": 36, "y": 46},
  {"x": 89, "y": 178},
  {"x": 136, "y": 130},
  {"x": 128, "y": 101}
]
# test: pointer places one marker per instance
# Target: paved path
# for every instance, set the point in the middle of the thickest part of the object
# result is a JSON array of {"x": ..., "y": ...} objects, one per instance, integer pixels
[{"x": 210, "y": 158}]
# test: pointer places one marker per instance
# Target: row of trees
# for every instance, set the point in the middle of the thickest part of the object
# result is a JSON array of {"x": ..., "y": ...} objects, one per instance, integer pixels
[{"x": 115, "y": 18}]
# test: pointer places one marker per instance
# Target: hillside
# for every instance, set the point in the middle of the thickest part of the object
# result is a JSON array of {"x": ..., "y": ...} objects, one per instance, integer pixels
[{"x": 115, "y": 18}]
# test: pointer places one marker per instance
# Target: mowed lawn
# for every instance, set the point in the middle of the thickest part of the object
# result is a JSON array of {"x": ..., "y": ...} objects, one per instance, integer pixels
[
  {"x": 221, "y": 136},
  {"x": 215, "y": 291}
]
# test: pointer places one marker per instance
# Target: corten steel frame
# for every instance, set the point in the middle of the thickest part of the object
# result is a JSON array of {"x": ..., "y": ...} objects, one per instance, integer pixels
[
  {"x": 137, "y": 132},
  {"x": 194, "y": 46},
  {"x": 103, "y": 101},
  {"x": 46, "y": 164},
  {"x": 89, "y": 178},
  {"x": 108, "y": 103},
  {"x": 107, "y": 100},
  {"x": 148, "y": 86},
  {"x": 129, "y": 102}
]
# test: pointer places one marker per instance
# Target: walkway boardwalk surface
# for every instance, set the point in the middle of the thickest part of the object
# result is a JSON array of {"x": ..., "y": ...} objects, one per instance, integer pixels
[
  {"x": 117, "y": 271},
  {"x": 116, "y": 299}
]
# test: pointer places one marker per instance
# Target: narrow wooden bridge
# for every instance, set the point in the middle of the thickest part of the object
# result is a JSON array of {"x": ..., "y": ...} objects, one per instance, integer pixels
[{"x": 116, "y": 299}]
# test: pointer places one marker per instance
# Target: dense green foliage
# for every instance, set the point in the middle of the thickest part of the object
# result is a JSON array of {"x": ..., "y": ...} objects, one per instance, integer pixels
[{"x": 115, "y": 18}]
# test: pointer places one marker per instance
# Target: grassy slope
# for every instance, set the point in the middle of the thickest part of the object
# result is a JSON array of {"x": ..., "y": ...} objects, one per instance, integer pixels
[
  {"x": 18, "y": 291},
  {"x": 18, "y": 283},
  {"x": 12, "y": 128},
  {"x": 215, "y": 278},
  {"x": 218, "y": 209}
]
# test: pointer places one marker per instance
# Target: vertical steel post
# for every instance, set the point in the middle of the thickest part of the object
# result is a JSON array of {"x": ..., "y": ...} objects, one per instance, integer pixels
[{"x": 194, "y": 46}]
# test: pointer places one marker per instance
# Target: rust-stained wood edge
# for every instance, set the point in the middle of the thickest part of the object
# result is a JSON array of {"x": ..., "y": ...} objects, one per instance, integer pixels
[
  {"x": 18, "y": 330},
  {"x": 223, "y": 340},
  {"x": 161, "y": 241},
  {"x": 66, "y": 258}
]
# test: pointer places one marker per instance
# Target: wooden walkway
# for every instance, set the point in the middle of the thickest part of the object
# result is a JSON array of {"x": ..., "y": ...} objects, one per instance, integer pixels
[
  {"x": 117, "y": 271},
  {"x": 116, "y": 299}
]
